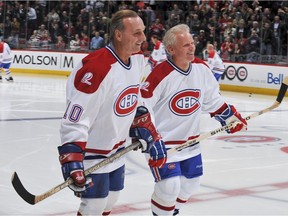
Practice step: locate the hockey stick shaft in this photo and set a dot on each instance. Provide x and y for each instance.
(280, 96)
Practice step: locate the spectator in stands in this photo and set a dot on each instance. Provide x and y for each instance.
(279, 33)
(241, 30)
(198, 47)
(12, 41)
(45, 40)
(172, 21)
(229, 30)
(7, 26)
(34, 40)
(69, 31)
(241, 45)
(254, 42)
(97, 41)
(32, 20)
(106, 39)
(75, 42)
(222, 23)
(84, 41)
(157, 28)
(195, 24)
(202, 38)
(42, 31)
(53, 16)
(15, 27)
(177, 11)
(55, 31)
(267, 37)
(227, 48)
(60, 43)
(255, 26)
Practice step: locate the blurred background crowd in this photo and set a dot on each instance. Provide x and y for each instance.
(241, 31)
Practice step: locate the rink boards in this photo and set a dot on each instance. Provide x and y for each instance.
(240, 77)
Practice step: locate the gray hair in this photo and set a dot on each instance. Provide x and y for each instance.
(116, 21)
(170, 36)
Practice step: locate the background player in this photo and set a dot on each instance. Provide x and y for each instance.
(5, 60)
(215, 62)
(102, 99)
(158, 53)
(178, 90)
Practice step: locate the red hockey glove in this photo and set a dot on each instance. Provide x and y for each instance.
(227, 114)
(71, 159)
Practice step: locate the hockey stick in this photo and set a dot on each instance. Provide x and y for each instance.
(280, 96)
(33, 199)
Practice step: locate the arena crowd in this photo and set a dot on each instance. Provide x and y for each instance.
(240, 30)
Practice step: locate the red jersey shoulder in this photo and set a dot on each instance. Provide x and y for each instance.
(211, 54)
(155, 77)
(1, 47)
(95, 67)
(157, 45)
(199, 61)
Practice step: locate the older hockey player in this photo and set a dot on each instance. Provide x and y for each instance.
(102, 111)
(215, 62)
(178, 90)
(5, 61)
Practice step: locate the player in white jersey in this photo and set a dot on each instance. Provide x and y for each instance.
(215, 62)
(102, 112)
(158, 53)
(178, 90)
(5, 61)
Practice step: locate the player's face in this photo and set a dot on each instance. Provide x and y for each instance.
(133, 36)
(184, 49)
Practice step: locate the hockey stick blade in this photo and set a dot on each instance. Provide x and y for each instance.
(282, 90)
(193, 142)
(22, 192)
(33, 199)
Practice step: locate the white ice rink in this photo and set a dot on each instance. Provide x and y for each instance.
(244, 174)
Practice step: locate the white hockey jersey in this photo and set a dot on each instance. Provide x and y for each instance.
(177, 99)
(102, 95)
(158, 54)
(5, 53)
(215, 63)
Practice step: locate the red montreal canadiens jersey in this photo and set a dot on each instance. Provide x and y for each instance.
(177, 99)
(102, 96)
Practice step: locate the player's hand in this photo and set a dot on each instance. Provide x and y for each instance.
(71, 158)
(230, 115)
(143, 129)
(158, 154)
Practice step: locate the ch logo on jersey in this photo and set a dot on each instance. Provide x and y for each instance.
(127, 100)
(86, 78)
(185, 102)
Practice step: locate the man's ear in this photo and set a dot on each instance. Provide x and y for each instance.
(118, 35)
(170, 49)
